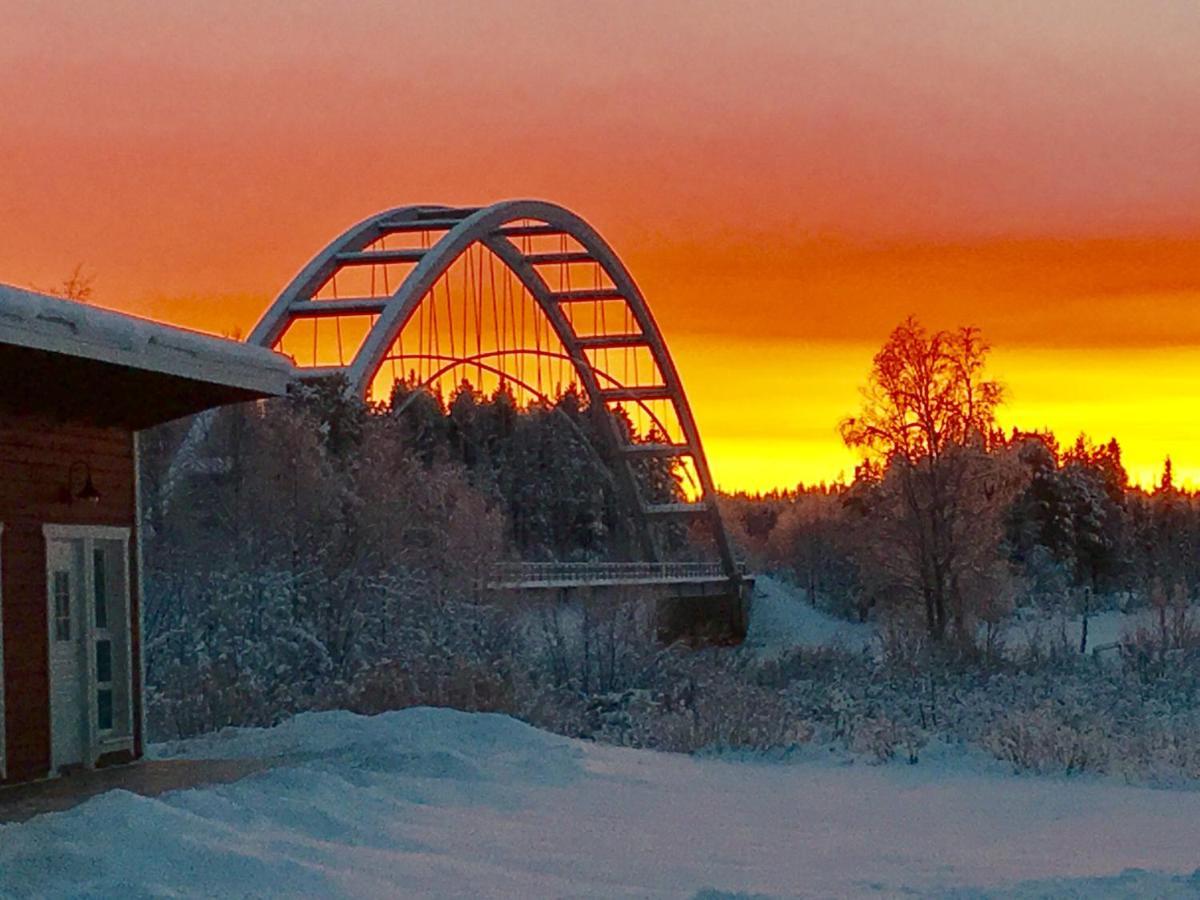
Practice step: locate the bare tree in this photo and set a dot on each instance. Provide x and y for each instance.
(926, 395)
(939, 481)
(76, 287)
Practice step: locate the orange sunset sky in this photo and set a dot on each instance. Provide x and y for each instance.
(786, 181)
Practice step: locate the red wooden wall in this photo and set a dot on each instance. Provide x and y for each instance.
(35, 455)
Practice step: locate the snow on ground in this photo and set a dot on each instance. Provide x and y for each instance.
(781, 618)
(438, 803)
(1104, 628)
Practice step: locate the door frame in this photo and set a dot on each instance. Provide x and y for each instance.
(3, 734)
(94, 746)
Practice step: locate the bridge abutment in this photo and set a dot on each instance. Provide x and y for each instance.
(702, 613)
(717, 615)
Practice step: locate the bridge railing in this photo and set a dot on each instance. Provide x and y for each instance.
(529, 574)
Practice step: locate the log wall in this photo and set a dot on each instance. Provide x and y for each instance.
(35, 455)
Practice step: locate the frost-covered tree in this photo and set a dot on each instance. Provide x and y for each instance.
(933, 517)
(314, 541)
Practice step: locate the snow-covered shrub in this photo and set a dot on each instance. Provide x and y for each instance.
(591, 645)
(229, 650)
(883, 739)
(716, 715)
(728, 715)
(459, 655)
(1050, 739)
(1165, 751)
(688, 701)
(1169, 634)
(331, 565)
(325, 549)
(905, 644)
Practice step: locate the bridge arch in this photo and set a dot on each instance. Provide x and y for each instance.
(505, 229)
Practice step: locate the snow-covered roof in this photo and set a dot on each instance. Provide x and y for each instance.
(36, 321)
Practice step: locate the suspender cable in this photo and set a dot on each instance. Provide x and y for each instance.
(505, 306)
(337, 322)
(466, 304)
(564, 282)
(421, 336)
(603, 323)
(495, 318)
(517, 342)
(476, 297)
(435, 344)
(637, 378)
(525, 245)
(397, 347)
(625, 352)
(387, 290)
(537, 343)
(450, 308)
(469, 307)
(479, 306)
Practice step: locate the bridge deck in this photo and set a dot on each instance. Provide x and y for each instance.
(547, 576)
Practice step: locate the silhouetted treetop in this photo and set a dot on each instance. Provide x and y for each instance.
(926, 391)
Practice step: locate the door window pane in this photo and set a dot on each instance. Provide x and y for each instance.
(100, 572)
(62, 605)
(104, 709)
(104, 662)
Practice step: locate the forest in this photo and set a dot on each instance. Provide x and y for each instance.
(317, 552)
(297, 547)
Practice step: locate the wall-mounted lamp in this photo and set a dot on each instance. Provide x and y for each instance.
(87, 490)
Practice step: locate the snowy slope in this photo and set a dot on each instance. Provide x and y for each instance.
(438, 803)
(781, 618)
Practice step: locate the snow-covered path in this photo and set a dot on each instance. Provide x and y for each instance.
(781, 619)
(438, 803)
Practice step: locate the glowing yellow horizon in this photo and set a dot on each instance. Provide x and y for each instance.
(768, 410)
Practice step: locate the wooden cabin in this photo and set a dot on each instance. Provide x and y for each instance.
(77, 384)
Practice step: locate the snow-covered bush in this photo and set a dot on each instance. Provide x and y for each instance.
(697, 701)
(591, 645)
(329, 564)
(1050, 739)
(229, 650)
(884, 739)
(1168, 635)
(460, 655)
(323, 549)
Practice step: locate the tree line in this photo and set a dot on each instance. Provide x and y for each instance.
(949, 523)
(296, 548)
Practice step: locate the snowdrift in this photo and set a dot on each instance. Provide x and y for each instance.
(429, 802)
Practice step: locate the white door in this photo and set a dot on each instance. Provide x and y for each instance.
(68, 654)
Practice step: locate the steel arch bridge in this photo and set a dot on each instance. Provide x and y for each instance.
(414, 291)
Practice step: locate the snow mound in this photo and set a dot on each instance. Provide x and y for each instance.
(345, 781)
(1128, 884)
(781, 619)
(421, 742)
(436, 803)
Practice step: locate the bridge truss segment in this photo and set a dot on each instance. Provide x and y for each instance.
(534, 241)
